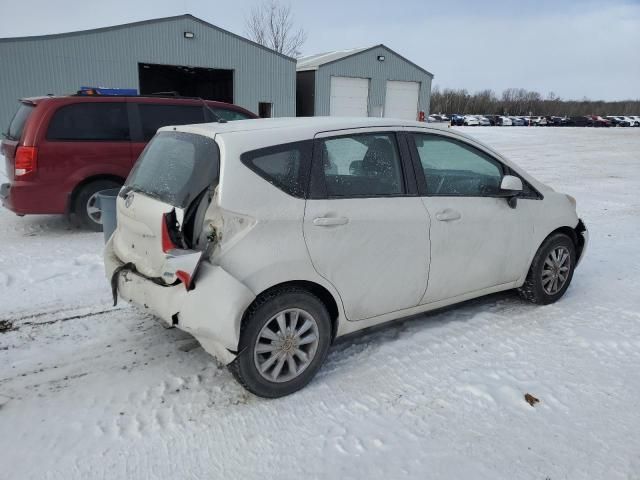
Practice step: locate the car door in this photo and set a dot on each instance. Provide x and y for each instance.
(366, 229)
(477, 240)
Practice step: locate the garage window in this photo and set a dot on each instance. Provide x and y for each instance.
(106, 121)
(155, 116)
(284, 166)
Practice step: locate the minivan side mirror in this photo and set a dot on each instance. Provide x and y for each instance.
(510, 186)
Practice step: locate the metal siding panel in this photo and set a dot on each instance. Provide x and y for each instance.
(366, 65)
(60, 65)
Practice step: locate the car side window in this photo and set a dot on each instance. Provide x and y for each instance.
(361, 165)
(284, 166)
(153, 116)
(453, 168)
(99, 121)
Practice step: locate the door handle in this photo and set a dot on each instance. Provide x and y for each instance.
(448, 215)
(330, 221)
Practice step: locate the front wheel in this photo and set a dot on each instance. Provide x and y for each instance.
(551, 270)
(284, 341)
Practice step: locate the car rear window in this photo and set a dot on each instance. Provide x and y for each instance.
(153, 116)
(229, 115)
(16, 127)
(175, 167)
(104, 121)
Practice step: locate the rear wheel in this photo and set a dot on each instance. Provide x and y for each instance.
(283, 343)
(551, 270)
(85, 208)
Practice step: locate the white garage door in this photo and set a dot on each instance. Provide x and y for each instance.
(401, 100)
(349, 97)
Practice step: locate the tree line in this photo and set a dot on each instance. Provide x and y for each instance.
(519, 101)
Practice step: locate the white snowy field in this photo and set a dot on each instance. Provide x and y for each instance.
(92, 391)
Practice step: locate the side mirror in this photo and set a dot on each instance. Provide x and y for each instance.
(510, 186)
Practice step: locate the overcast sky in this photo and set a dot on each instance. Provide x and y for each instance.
(574, 48)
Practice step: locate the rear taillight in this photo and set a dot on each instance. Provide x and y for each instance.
(25, 160)
(167, 242)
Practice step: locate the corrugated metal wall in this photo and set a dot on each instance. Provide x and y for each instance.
(60, 64)
(366, 65)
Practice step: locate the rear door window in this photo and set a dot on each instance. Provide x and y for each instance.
(175, 167)
(16, 127)
(362, 165)
(153, 116)
(105, 121)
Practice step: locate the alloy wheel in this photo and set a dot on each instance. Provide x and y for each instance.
(555, 270)
(286, 345)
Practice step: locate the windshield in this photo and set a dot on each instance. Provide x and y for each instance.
(19, 119)
(176, 167)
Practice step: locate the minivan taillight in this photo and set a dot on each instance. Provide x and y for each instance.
(25, 161)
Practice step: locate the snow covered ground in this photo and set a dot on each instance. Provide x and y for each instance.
(92, 391)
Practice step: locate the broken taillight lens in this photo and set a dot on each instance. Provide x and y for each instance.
(167, 242)
(25, 161)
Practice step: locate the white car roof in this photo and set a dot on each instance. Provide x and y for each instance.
(307, 126)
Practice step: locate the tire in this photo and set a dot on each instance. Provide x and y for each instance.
(81, 205)
(539, 286)
(258, 329)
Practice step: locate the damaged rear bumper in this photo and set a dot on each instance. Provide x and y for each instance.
(211, 312)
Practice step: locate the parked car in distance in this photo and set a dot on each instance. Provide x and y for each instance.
(60, 151)
(598, 121)
(457, 120)
(578, 122)
(483, 121)
(505, 122)
(470, 121)
(618, 121)
(267, 281)
(517, 121)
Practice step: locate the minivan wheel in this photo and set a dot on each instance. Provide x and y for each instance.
(85, 209)
(284, 341)
(551, 270)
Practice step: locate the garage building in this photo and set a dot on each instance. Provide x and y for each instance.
(180, 54)
(373, 81)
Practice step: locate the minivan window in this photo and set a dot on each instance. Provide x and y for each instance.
(175, 167)
(153, 116)
(106, 121)
(362, 165)
(229, 115)
(19, 119)
(284, 166)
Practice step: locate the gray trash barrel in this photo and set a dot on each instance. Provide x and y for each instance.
(106, 200)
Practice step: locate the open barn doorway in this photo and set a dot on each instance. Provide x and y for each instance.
(207, 83)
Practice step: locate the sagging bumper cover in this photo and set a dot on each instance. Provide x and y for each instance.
(582, 230)
(211, 312)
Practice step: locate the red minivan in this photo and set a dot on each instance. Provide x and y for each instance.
(61, 151)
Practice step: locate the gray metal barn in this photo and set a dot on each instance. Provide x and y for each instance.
(182, 53)
(373, 81)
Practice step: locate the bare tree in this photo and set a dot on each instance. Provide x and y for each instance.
(271, 24)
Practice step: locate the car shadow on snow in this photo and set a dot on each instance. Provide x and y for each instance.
(497, 304)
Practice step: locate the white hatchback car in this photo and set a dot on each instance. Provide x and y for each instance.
(267, 239)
